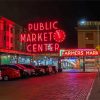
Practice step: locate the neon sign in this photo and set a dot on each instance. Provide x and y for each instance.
(36, 37)
(9, 35)
(43, 37)
(43, 26)
(8, 30)
(43, 47)
(79, 52)
(1, 33)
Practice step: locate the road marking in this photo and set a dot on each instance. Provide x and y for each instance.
(90, 90)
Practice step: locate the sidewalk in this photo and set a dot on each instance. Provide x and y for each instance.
(95, 93)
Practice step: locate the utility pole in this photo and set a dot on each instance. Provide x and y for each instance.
(83, 64)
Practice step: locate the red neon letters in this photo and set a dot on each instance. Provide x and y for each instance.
(79, 52)
(43, 26)
(43, 47)
(37, 37)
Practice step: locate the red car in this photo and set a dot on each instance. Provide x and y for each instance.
(7, 73)
(34, 70)
(52, 69)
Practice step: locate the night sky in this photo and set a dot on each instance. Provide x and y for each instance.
(68, 13)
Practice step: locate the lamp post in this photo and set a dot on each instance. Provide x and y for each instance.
(82, 22)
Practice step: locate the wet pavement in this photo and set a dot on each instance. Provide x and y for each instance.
(60, 86)
(95, 93)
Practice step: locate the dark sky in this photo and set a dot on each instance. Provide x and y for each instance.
(67, 12)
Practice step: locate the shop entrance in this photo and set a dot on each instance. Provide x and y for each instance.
(87, 64)
(70, 63)
(84, 60)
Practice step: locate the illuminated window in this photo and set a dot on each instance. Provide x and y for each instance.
(4, 37)
(7, 28)
(11, 40)
(4, 27)
(89, 46)
(89, 36)
(1, 25)
(7, 38)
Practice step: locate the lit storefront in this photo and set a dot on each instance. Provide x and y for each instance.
(79, 58)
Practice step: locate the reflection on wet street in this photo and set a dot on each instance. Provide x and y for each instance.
(60, 86)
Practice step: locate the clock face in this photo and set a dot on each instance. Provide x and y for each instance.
(59, 35)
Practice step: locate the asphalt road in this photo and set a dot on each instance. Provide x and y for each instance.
(60, 86)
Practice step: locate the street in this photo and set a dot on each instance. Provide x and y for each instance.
(60, 86)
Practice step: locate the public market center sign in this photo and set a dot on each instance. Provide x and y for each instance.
(43, 37)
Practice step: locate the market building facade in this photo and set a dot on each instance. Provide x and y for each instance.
(10, 47)
(39, 44)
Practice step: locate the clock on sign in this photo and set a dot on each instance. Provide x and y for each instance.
(59, 35)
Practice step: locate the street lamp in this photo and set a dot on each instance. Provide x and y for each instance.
(82, 22)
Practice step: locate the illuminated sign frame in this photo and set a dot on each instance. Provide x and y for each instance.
(78, 52)
(43, 37)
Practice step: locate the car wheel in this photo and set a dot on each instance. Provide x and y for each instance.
(5, 78)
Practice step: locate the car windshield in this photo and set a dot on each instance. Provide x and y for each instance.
(20, 66)
(11, 66)
(28, 66)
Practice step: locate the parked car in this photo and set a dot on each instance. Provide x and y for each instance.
(44, 69)
(38, 71)
(59, 69)
(52, 69)
(7, 73)
(27, 70)
(31, 68)
(23, 70)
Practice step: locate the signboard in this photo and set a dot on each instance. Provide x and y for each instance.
(78, 52)
(43, 37)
